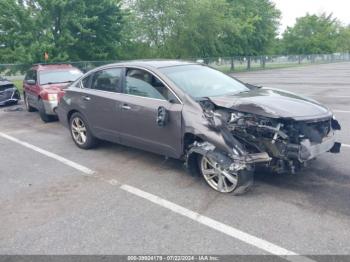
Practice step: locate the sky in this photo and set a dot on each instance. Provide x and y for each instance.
(291, 9)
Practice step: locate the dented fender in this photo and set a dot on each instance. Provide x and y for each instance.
(210, 130)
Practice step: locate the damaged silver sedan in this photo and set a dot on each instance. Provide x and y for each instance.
(222, 128)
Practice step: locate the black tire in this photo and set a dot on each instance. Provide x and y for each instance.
(245, 180)
(91, 141)
(45, 117)
(27, 105)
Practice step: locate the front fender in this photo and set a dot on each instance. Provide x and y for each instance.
(198, 125)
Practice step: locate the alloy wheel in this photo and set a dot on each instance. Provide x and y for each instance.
(217, 178)
(79, 131)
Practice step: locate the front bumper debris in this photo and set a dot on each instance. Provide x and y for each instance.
(308, 150)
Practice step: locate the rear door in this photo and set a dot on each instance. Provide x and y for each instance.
(143, 94)
(98, 101)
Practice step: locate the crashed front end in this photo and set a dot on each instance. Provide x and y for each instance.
(290, 143)
(280, 144)
(8, 94)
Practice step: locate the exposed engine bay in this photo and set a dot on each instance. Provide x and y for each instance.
(288, 143)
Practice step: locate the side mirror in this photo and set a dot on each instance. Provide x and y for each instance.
(162, 116)
(31, 82)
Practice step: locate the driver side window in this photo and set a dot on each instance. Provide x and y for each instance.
(31, 75)
(142, 83)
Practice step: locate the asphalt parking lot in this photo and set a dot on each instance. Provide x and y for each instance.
(134, 202)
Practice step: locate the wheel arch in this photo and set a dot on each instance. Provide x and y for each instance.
(70, 113)
(73, 111)
(189, 139)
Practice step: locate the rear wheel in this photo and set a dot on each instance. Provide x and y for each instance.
(81, 133)
(224, 181)
(27, 105)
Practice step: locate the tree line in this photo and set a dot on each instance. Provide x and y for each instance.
(73, 30)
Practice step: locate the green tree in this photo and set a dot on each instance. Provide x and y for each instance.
(200, 31)
(312, 34)
(203, 28)
(66, 29)
(343, 41)
(258, 22)
(16, 31)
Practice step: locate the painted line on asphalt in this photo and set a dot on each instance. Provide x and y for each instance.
(218, 226)
(61, 159)
(341, 111)
(345, 145)
(204, 220)
(329, 96)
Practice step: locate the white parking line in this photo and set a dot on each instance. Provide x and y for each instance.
(329, 96)
(61, 159)
(218, 226)
(211, 223)
(345, 145)
(341, 111)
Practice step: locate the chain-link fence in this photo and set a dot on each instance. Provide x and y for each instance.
(15, 72)
(247, 63)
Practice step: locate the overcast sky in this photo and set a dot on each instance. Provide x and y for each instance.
(291, 9)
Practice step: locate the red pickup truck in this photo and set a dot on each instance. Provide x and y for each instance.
(43, 87)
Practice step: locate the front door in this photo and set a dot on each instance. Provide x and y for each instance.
(143, 95)
(32, 90)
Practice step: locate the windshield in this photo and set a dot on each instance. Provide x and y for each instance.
(59, 76)
(202, 81)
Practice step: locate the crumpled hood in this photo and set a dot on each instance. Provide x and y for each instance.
(275, 103)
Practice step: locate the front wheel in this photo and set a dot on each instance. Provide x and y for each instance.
(81, 133)
(225, 181)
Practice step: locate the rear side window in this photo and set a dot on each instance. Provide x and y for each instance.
(104, 80)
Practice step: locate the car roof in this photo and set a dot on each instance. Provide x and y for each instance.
(154, 63)
(49, 67)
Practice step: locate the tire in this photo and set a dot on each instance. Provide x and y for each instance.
(81, 133)
(238, 184)
(45, 117)
(27, 105)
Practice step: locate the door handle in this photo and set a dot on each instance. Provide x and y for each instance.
(125, 107)
(86, 98)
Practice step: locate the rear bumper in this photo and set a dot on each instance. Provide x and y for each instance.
(62, 116)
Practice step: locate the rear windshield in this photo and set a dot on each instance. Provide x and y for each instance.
(59, 76)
